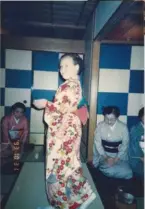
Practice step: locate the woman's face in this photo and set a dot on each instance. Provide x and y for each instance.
(110, 119)
(68, 69)
(18, 113)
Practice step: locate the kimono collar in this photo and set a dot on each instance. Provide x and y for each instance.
(112, 127)
(16, 120)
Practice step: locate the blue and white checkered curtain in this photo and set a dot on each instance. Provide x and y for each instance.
(121, 80)
(27, 75)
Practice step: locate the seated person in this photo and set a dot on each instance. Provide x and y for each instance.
(136, 154)
(15, 126)
(111, 145)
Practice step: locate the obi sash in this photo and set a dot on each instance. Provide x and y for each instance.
(83, 114)
(111, 147)
(15, 134)
(82, 111)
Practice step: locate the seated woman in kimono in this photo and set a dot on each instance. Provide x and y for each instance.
(111, 145)
(136, 154)
(15, 126)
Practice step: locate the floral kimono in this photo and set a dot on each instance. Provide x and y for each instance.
(63, 163)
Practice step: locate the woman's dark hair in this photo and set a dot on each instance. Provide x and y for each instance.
(76, 59)
(18, 105)
(141, 113)
(111, 110)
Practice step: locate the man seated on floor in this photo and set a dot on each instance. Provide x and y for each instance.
(110, 150)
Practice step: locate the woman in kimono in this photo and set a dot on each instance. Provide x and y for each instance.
(15, 125)
(136, 154)
(15, 130)
(111, 145)
(67, 188)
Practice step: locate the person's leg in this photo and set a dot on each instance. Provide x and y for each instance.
(120, 170)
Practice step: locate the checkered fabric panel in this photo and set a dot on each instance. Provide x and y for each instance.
(27, 75)
(121, 80)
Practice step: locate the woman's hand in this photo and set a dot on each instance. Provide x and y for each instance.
(110, 161)
(40, 103)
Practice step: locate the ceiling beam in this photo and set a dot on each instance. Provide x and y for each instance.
(132, 42)
(42, 24)
(81, 13)
(79, 18)
(138, 12)
(43, 44)
(51, 16)
(93, 10)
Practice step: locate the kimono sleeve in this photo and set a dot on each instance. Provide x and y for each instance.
(5, 129)
(98, 141)
(26, 131)
(66, 100)
(123, 149)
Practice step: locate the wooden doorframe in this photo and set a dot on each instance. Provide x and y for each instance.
(42, 44)
(94, 83)
(93, 96)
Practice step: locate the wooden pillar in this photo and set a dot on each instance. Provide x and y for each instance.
(93, 96)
